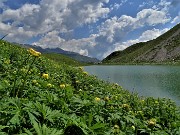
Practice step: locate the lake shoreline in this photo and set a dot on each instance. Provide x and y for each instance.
(156, 81)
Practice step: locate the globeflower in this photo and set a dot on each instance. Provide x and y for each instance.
(97, 99)
(133, 127)
(7, 61)
(116, 129)
(106, 98)
(62, 86)
(81, 68)
(152, 122)
(126, 107)
(49, 85)
(45, 76)
(86, 73)
(116, 126)
(34, 53)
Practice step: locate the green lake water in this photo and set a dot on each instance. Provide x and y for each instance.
(155, 81)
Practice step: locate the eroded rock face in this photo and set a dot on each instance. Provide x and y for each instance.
(168, 49)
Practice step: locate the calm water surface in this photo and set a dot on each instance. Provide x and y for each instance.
(155, 81)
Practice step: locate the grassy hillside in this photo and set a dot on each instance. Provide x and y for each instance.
(39, 96)
(62, 59)
(165, 48)
(73, 55)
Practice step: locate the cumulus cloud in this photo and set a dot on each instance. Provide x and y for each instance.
(111, 34)
(176, 19)
(59, 15)
(51, 19)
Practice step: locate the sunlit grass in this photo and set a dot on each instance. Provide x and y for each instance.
(43, 97)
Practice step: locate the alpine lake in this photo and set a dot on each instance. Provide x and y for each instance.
(148, 81)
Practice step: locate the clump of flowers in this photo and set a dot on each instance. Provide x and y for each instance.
(45, 76)
(34, 53)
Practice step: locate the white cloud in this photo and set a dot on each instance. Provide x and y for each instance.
(176, 19)
(111, 34)
(52, 18)
(59, 15)
(152, 17)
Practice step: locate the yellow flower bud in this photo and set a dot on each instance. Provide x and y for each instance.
(45, 76)
(49, 85)
(116, 127)
(152, 122)
(97, 99)
(85, 73)
(106, 98)
(62, 86)
(133, 127)
(34, 81)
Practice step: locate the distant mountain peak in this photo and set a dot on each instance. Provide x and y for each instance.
(74, 55)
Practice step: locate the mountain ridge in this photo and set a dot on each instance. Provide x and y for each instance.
(74, 55)
(165, 48)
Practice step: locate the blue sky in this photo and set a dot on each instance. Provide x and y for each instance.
(93, 28)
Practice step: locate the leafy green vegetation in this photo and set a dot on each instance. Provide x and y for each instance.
(63, 59)
(39, 96)
(151, 51)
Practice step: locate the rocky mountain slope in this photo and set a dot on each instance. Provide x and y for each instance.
(165, 48)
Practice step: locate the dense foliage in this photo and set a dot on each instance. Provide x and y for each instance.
(40, 97)
(59, 58)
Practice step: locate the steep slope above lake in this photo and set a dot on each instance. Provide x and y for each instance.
(165, 48)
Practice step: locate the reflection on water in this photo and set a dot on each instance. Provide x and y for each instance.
(155, 81)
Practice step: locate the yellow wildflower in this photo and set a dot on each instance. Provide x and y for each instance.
(77, 81)
(81, 68)
(156, 102)
(97, 99)
(45, 76)
(152, 122)
(116, 126)
(106, 98)
(34, 53)
(34, 81)
(7, 61)
(133, 127)
(62, 86)
(86, 73)
(126, 107)
(80, 90)
(116, 129)
(49, 85)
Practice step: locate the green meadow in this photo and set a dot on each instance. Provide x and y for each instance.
(40, 96)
